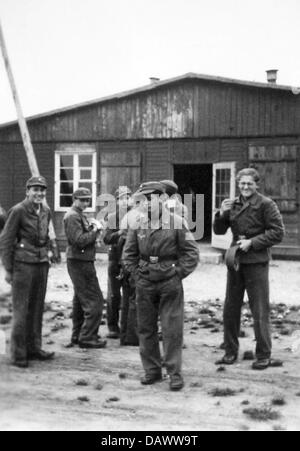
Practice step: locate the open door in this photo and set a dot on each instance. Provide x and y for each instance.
(223, 188)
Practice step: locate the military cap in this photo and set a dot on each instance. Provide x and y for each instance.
(150, 188)
(82, 193)
(122, 191)
(170, 187)
(36, 181)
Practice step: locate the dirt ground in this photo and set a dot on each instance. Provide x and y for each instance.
(100, 390)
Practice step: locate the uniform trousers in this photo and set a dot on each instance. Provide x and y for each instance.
(28, 296)
(162, 299)
(254, 279)
(87, 302)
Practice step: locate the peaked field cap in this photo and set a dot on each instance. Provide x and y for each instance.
(82, 193)
(150, 188)
(170, 186)
(36, 181)
(122, 191)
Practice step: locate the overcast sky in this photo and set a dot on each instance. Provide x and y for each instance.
(65, 52)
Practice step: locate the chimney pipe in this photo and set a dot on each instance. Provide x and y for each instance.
(154, 80)
(272, 75)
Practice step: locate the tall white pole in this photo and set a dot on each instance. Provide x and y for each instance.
(22, 123)
(32, 162)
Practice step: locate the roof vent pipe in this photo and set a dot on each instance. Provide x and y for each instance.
(154, 80)
(272, 75)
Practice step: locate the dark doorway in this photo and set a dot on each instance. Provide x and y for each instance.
(197, 179)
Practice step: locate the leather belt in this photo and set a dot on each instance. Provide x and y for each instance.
(28, 243)
(232, 258)
(156, 259)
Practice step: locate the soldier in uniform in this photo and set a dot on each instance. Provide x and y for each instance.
(24, 246)
(116, 281)
(88, 300)
(173, 203)
(129, 329)
(159, 253)
(256, 225)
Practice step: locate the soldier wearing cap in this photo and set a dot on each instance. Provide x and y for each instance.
(160, 252)
(173, 202)
(24, 248)
(118, 281)
(88, 300)
(256, 224)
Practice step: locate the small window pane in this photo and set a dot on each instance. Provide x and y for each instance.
(66, 174)
(66, 161)
(86, 161)
(85, 174)
(66, 201)
(86, 185)
(219, 175)
(66, 188)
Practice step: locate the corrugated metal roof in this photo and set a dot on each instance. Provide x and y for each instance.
(158, 84)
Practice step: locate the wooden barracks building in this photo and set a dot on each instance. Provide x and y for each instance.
(198, 129)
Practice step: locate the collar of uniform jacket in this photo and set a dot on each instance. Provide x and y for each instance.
(78, 210)
(30, 207)
(241, 205)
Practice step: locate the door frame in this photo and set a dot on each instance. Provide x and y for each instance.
(222, 241)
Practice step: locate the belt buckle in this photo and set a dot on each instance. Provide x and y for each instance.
(153, 259)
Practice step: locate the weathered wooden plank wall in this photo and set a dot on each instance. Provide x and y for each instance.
(6, 176)
(279, 167)
(15, 171)
(190, 109)
(157, 163)
(120, 164)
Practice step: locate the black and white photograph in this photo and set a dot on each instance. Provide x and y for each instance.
(149, 218)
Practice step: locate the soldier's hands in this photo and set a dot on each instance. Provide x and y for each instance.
(54, 253)
(96, 224)
(8, 278)
(227, 205)
(245, 245)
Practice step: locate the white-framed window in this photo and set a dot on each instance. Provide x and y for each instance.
(224, 186)
(75, 167)
(223, 183)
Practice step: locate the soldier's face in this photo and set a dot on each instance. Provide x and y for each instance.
(247, 186)
(36, 194)
(152, 204)
(124, 201)
(82, 204)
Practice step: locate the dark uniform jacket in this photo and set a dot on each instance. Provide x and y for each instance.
(81, 239)
(161, 253)
(257, 219)
(25, 237)
(111, 235)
